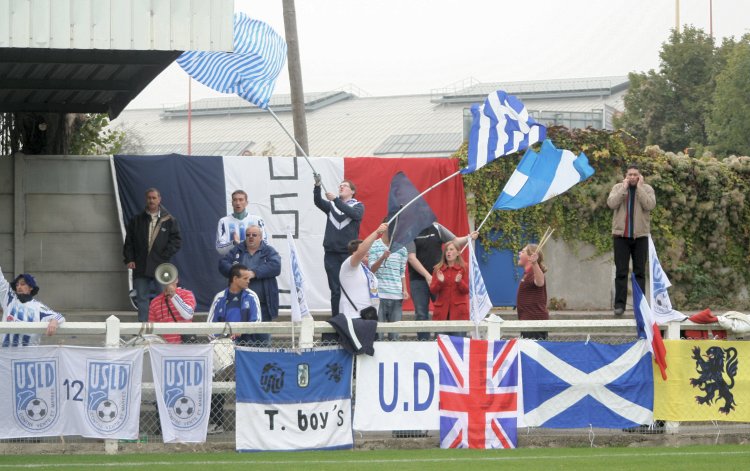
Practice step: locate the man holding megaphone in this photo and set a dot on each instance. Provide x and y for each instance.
(174, 304)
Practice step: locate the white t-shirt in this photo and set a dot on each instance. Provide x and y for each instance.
(355, 281)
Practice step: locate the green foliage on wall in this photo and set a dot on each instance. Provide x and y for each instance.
(700, 226)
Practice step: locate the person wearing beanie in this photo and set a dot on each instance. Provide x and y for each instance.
(18, 304)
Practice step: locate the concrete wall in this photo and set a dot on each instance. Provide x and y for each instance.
(70, 233)
(70, 239)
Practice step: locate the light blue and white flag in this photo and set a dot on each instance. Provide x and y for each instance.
(661, 305)
(500, 127)
(293, 400)
(182, 383)
(542, 176)
(585, 384)
(479, 300)
(250, 71)
(296, 282)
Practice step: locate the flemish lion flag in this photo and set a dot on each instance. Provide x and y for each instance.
(708, 380)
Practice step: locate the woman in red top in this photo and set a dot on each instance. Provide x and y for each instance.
(531, 300)
(450, 285)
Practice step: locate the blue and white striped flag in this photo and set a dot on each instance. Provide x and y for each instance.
(542, 176)
(500, 127)
(297, 282)
(250, 71)
(479, 300)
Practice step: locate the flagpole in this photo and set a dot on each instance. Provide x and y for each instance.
(485, 219)
(422, 194)
(296, 144)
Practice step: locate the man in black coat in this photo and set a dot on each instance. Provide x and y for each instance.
(152, 238)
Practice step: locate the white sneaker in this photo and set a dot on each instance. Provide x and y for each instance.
(214, 429)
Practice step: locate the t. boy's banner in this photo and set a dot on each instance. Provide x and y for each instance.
(397, 387)
(182, 381)
(293, 401)
(52, 391)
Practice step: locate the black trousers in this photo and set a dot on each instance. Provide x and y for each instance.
(627, 249)
(332, 262)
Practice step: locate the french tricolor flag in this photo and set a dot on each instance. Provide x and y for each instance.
(648, 328)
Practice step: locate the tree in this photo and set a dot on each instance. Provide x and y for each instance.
(729, 124)
(90, 136)
(669, 107)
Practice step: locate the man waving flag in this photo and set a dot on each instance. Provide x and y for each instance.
(500, 127)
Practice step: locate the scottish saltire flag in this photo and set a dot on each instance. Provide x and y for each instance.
(297, 282)
(661, 305)
(500, 127)
(250, 71)
(293, 400)
(585, 384)
(182, 383)
(709, 380)
(544, 175)
(479, 300)
(648, 328)
(478, 392)
(413, 219)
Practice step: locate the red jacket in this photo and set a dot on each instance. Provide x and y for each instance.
(452, 297)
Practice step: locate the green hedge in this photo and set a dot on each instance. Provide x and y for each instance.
(701, 223)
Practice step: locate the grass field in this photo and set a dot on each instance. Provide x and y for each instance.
(720, 457)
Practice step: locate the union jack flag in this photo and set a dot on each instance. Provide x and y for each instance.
(478, 393)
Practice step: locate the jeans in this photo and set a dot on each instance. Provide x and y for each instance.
(145, 289)
(262, 340)
(420, 295)
(332, 262)
(625, 249)
(390, 310)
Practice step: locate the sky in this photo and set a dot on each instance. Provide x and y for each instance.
(396, 47)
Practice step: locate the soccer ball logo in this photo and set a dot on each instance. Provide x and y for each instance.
(36, 409)
(184, 407)
(106, 411)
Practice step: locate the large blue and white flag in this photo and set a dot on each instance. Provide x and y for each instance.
(479, 300)
(661, 305)
(541, 176)
(54, 391)
(500, 127)
(648, 328)
(182, 382)
(293, 401)
(297, 282)
(585, 384)
(250, 71)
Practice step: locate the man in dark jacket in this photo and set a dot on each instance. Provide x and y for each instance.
(264, 264)
(151, 238)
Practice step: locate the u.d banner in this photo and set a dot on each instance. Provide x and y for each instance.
(707, 380)
(397, 387)
(293, 401)
(52, 391)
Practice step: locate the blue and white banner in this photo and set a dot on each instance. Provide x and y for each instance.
(53, 391)
(541, 176)
(479, 300)
(583, 384)
(661, 305)
(397, 387)
(297, 282)
(182, 382)
(293, 401)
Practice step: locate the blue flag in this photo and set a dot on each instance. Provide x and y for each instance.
(412, 220)
(250, 71)
(541, 176)
(500, 127)
(583, 384)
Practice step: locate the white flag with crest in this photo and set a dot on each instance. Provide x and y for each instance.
(661, 305)
(296, 282)
(479, 300)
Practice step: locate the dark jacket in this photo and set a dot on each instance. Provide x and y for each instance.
(355, 335)
(266, 264)
(166, 244)
(342, 226)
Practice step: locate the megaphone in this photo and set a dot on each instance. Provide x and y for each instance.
(165, 274)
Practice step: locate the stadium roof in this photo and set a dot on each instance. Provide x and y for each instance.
(343, 124)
